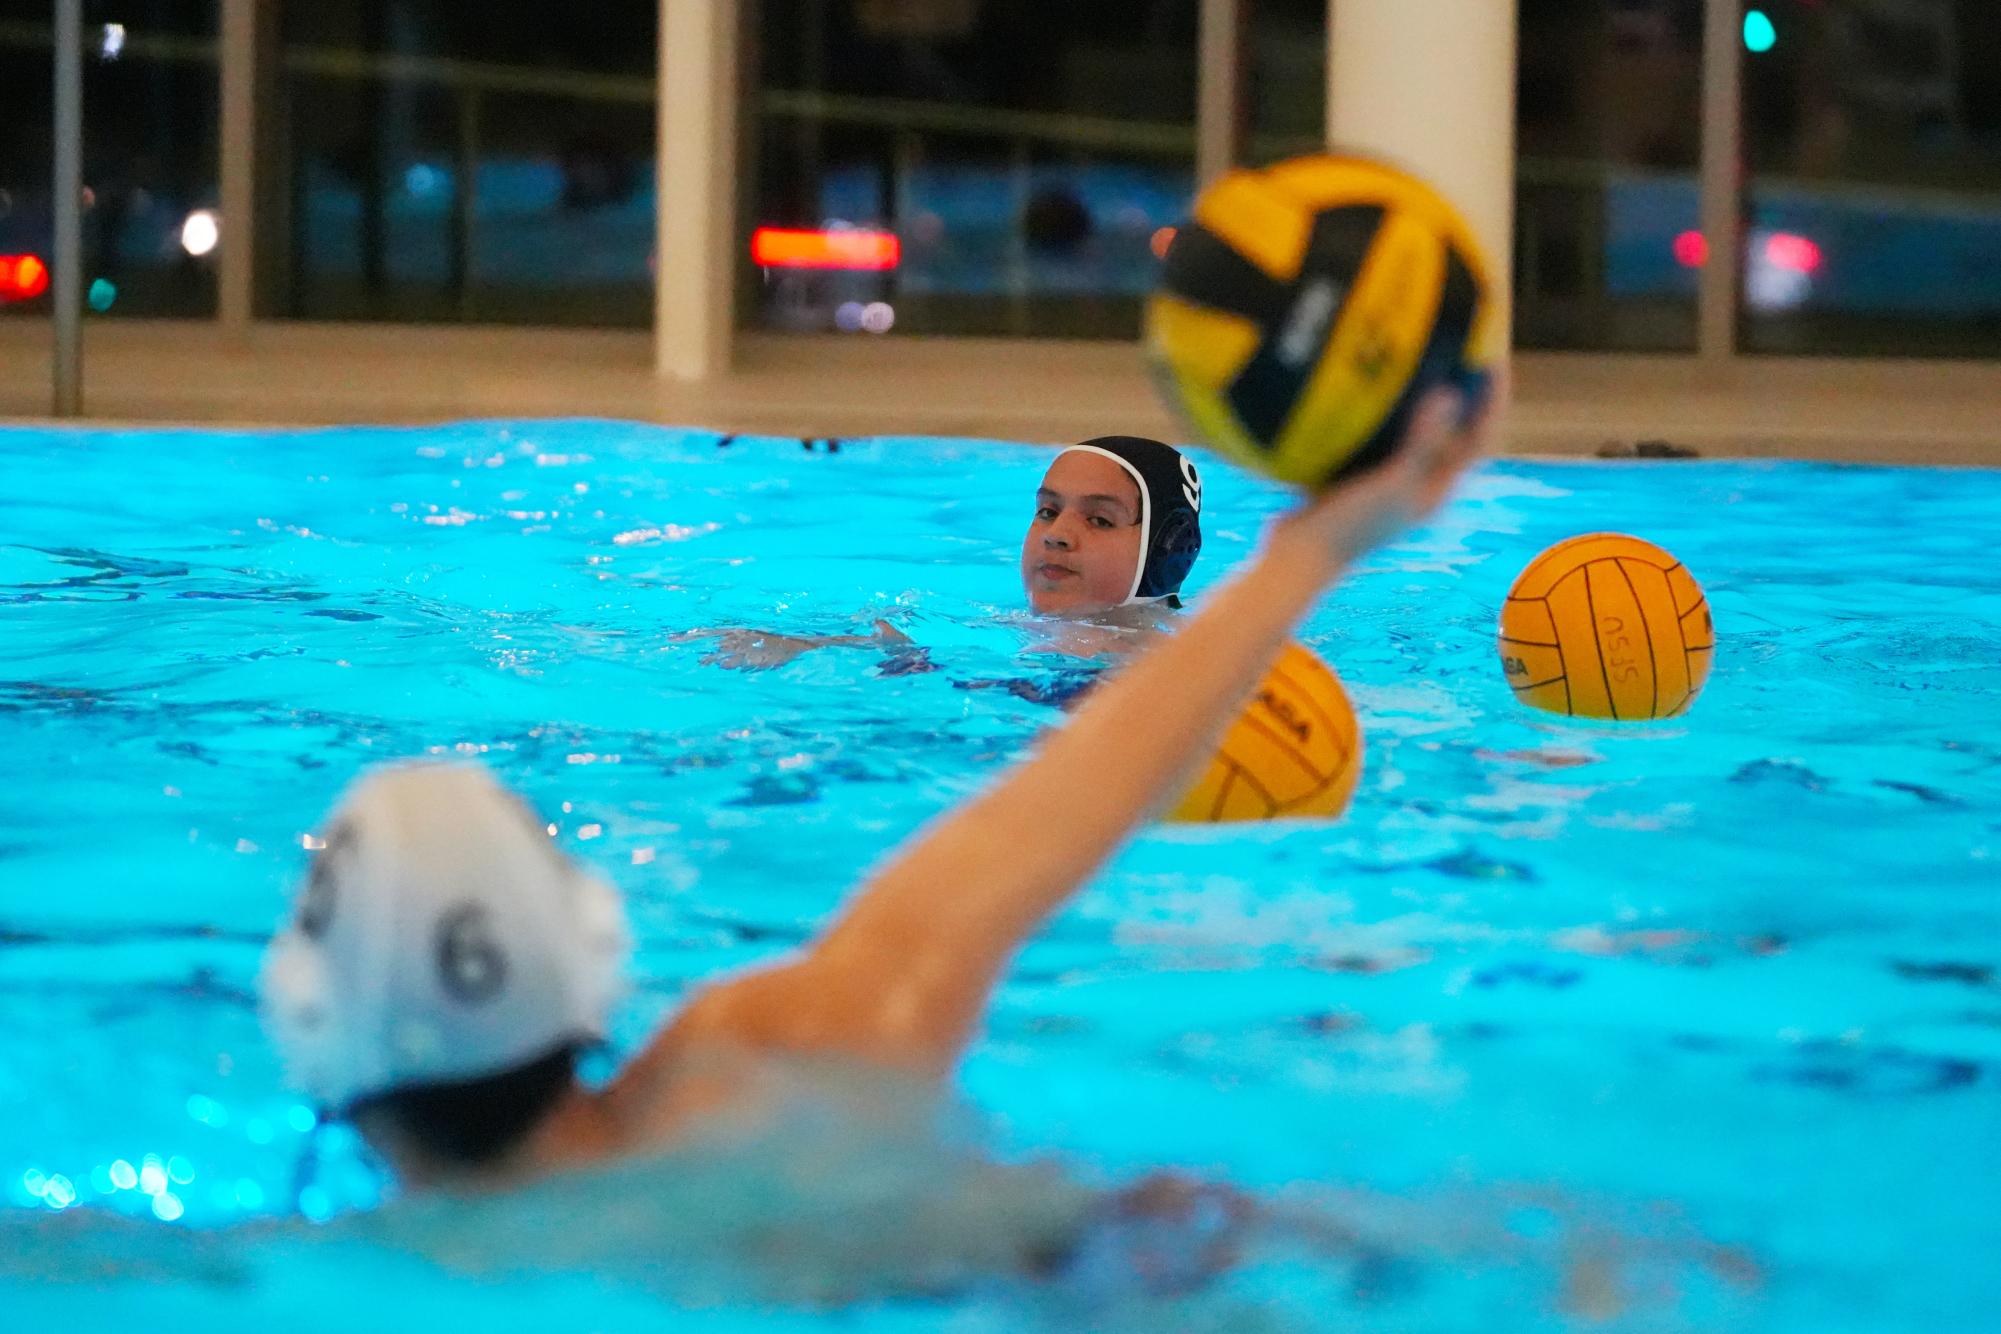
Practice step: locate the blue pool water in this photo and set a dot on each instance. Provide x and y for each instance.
(1693, 1025)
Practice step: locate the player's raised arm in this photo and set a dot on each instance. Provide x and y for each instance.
(903, 975)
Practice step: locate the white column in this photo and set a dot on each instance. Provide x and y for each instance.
(1722, 131)
(1219, 85)
(1430, 85)
(237, 253)
(694, 289)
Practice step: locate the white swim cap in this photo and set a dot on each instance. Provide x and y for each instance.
(440, 936)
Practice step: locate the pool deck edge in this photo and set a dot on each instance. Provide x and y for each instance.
(284, 375)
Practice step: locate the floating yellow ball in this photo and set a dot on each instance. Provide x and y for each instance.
(1308, 306)
(1295, 750)
(1606, 626)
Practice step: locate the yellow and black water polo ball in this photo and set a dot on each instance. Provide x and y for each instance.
(1306, 308)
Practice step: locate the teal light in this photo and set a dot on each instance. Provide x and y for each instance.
(102, 293)
(1760, 35)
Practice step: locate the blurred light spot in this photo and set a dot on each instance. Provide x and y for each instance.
(848, 316)
(201, 233)
(111, 44)
(552, 831)
(311, 844)
(103, 295)
(249, 1194)
(245, 845)
(315, 1204)
(167, 1208)
(170, 791)
(423, 179)
(123, 1175)
(34, 1181)
(641, 856)
(878, 317)
(1691, 250)
(1789, 251)
(1760, 33)
(302, 1118)
(60, 1193)
(180, 1171)
(100, 1180)
(1162, 239)
(590, 831)
(22, 277)
(834, 248)
(206, 1110)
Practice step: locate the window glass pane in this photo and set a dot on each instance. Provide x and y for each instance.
(1608, 125)
(1873, 136)
(149, 160)
(1023, 155)
(1285, 78)
(453, 161)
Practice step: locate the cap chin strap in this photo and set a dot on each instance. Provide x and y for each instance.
(1132, 597)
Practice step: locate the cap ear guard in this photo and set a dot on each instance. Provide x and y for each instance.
(1177, 541)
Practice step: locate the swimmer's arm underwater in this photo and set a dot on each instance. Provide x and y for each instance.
(756, 650)
(902, 977)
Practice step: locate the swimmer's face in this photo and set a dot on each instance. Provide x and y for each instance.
(1084, 542)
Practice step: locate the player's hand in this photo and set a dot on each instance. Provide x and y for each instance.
(1440, 442)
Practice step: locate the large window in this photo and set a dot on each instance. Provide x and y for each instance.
(1608, 129)
(1025, 156)
(454, 161)
(1873, 209)
(149, 157)
(1608, 145)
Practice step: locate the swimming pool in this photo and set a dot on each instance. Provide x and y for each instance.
(1556, 1001)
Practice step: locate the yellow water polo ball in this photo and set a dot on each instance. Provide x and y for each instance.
(1294, 752)
(1306, 308)
(1606, 626)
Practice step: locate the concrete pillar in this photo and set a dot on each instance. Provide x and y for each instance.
(1722, 180)
(1219, 90)
(236, 255)
(694, 288)
(1430, 85)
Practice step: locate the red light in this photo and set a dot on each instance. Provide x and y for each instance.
(779, 248)
(1162, 240)
(1691, 250)
(1787, 251)
(22, 277)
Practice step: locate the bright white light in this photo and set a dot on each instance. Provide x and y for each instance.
(201, 233)
(1770, 287)
(167, 1208)
(878, 317)
(113, 44)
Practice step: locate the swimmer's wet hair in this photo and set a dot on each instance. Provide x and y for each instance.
(475, 1122)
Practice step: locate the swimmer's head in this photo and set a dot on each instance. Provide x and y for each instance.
(1117, 521)
(444, 965)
